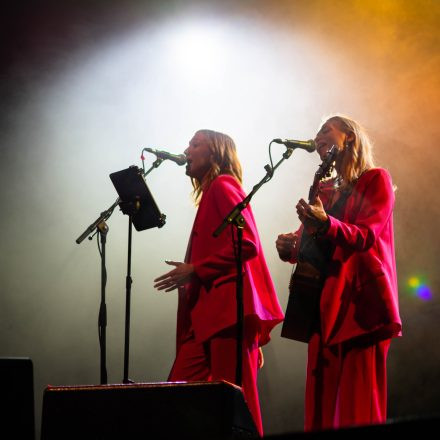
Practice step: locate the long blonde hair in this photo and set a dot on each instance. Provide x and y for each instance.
(357, 154)
(224, 160)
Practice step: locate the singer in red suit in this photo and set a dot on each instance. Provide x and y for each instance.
(344, 251)
(206, 281)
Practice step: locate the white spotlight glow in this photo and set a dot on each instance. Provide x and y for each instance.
(200, 51)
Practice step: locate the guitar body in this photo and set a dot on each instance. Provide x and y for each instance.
(302, 312)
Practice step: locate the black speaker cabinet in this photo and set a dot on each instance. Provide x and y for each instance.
(17, 397)
(169, 410)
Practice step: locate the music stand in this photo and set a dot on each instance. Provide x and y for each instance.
(137, 202)
(132, 188)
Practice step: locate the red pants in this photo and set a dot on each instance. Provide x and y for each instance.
(215, 360)
(346, 384)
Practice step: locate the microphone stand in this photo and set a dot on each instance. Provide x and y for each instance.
(130, 209)
(154, 165)
(99, 226)
(236, 218)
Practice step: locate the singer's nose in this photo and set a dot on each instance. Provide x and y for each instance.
(316, 139)
(318, 142)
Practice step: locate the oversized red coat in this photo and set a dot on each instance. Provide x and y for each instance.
(208, 303)
(360, 295)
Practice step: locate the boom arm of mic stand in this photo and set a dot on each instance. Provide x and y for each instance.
(235, 215)
(102, 218)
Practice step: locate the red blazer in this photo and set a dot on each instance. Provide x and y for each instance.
(208, 303)
(360, 295)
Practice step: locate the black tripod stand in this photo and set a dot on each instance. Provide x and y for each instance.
(99, 226)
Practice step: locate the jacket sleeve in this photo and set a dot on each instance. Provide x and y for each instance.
(225, 194)
(375, 207)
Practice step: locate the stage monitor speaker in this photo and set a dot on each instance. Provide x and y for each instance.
(169, 410)
(17, 395)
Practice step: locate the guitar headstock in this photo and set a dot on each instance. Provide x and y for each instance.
(327, 164)
(324, 170)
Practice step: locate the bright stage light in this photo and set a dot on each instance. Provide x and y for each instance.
(199, 50)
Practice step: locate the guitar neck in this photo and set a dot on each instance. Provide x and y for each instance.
(323, 170)
(313, 192)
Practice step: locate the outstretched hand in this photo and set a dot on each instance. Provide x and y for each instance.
(175, 278)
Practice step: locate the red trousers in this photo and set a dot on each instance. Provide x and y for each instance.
(215, 360)
(346, 384)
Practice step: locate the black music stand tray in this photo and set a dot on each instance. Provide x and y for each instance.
(136, 199)
(137, 202)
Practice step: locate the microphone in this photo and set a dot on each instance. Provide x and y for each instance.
(180, 159)
(304, 145)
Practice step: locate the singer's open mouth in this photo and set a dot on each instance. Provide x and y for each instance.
(322, 148)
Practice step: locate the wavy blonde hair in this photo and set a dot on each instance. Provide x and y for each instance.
(224, 160)
(357, 154)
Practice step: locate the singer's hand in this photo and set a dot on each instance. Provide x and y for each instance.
(313, 217)
(260, 361)
(285, 245)
(175, 278)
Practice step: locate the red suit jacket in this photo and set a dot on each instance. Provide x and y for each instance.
(208, 303)
(359, 296)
